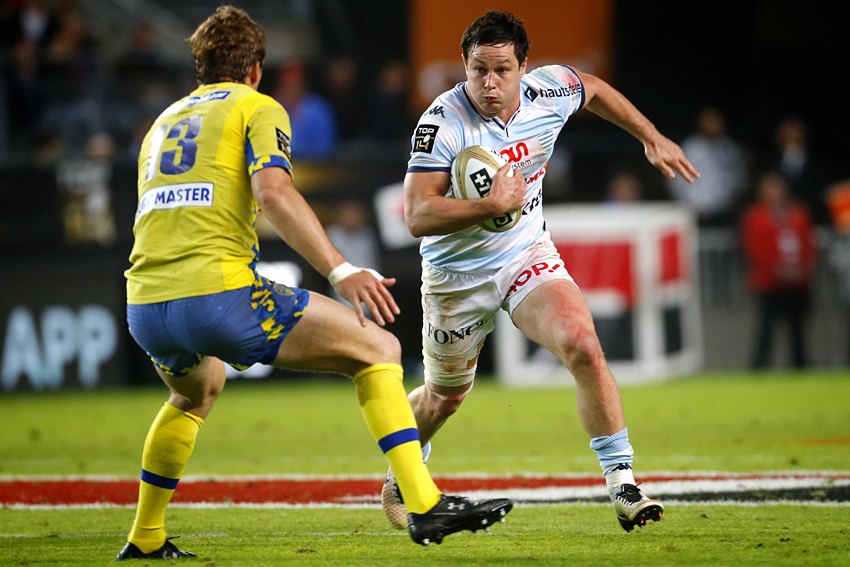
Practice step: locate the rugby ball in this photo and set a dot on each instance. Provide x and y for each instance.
(472, 176)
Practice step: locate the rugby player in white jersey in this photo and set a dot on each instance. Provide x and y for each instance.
(468, 274)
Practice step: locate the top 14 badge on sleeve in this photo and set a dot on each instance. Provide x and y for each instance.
(424, 139)
(283, 143)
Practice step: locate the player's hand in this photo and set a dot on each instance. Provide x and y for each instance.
(364, 287)
(507, 193)
(668, 157)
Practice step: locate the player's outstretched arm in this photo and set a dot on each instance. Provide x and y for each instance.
(296, 223)
(607, 102)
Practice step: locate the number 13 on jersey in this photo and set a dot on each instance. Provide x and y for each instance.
(181, 158)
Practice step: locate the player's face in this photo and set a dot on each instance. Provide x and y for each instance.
(493, 74)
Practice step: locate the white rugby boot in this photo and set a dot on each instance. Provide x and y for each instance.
(634, 508)
(393, 503)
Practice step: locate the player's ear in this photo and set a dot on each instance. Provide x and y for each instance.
(255, 73)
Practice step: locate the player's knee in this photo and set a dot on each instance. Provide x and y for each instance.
(445, 408)
(214, 388)
(198, 398)
(385, 349)
(199, 389)
(581, 349)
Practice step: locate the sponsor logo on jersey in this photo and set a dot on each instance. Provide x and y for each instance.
(535, 201)
(196, 100)
(535, 271)
(569, 90)
(514, 154)
(435, 111)
(284, 144)
(426, 134)
(521, 155)
(451, 336)
(192, 101)
(537, 175)
(175, 196)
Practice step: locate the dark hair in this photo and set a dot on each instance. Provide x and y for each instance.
(226, 45)
(496, 28)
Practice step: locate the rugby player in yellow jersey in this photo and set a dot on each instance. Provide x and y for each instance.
(196, 302)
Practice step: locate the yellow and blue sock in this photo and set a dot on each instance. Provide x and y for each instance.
(389, 417)
(168, 447)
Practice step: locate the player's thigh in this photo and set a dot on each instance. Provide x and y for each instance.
(330, 338)
(556, 315)
(458, 311)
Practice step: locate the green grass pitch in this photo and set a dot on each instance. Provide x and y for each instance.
(720, 422)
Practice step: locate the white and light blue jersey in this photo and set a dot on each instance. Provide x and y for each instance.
(548, 97)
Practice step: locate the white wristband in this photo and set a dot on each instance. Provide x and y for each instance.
(341, 272)
(375, 273)
(346, 269)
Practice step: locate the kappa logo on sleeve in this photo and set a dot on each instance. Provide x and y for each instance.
(435, 111)
(284, 144)
(425, 136)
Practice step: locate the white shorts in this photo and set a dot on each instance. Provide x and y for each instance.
(459, 309)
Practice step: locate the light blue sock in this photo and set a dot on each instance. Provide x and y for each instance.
(615, 457)
(426, 452)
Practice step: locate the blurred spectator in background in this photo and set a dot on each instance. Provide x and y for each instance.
(390, 119)
(75, 83)
(838, 200)
(143, 83)
(345, 94)
(624, 187)
(354, 237)
(779, 242)
(85, 185)
(142, 52)
(314, 133)
(25, 95)
(800, 167)
(721, 164)
(138, 65)
(48, 149)
(26, 28)
(140, 129)
(27, 19)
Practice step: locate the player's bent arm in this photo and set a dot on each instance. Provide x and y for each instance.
(607, 102)
(293, 219)
(297, 224)
(428, 212)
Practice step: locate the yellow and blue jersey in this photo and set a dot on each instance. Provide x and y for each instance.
(194, 229)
